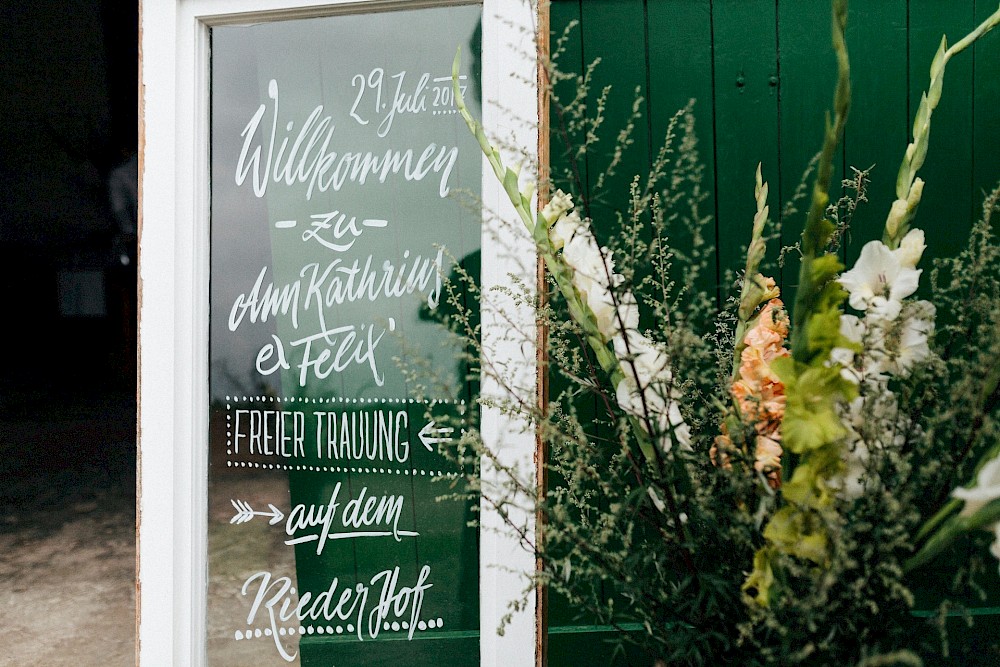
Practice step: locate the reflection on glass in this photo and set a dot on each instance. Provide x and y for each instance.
(339, 168)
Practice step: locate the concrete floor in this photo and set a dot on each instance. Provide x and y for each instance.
(67, 537)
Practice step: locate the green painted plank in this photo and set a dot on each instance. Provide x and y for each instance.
(746, 118)
(947, 199)
(604, 25)
(451, 649)
(878, 127)
(567, 172)
(592, 647)
(807, 76)
(680, 69)
(986, 111)
(570, 173)
(607, 25)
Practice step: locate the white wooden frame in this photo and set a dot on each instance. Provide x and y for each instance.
(173, 328)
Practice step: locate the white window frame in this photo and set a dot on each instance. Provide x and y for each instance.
(173, 316)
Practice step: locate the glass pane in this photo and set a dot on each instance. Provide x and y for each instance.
(341, 177)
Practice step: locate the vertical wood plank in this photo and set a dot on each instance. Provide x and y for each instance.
(607, 25)
(746, 118)
(680, 69)
(568, 58)
(986, 111)
(944, 213)
(878, 128)
(807, 77)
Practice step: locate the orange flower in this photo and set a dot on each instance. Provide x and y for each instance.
(768, 460)
(759, 392)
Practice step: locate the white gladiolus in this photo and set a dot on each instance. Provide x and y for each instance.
(879, 281)
(987, 488)
(558, 204)
(565, 228)
(664, 415)
(644, 392)
(915, 331)
(648, 359)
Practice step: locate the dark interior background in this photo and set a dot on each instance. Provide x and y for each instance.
(67, 256)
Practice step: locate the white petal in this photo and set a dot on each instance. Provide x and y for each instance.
(564, 229)
(906, 282)
(987, 488)
(559, 204)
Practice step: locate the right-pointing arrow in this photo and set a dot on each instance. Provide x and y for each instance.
(244, 513)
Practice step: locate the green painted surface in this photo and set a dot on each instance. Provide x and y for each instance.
(879, 124)
(746, 118)
(985, 112)
(947, 203)
(680, 66)
(606, 25)
(807, 75)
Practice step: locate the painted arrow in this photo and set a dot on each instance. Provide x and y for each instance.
(429, 435)
(245, 513)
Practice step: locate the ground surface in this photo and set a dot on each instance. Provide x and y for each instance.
(67, 537)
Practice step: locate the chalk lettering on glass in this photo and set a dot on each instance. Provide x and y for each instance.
(274, 602)
(360, 512)
(339, 282)
(311, 161)
(339, 226)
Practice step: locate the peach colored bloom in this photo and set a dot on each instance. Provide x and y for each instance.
(768, 460)
(719, 452)
(759, 392)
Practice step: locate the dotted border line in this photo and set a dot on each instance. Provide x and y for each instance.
(344, 469)
(340, 469)
(395, 626)
(341, 399)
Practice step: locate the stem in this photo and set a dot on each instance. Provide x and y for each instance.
(950, 508)
(817, 229)
(909, 188)
(988, 515)
(991, 22)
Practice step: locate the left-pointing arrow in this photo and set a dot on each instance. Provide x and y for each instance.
(430, 435)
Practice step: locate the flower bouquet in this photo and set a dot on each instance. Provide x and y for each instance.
(765, 478)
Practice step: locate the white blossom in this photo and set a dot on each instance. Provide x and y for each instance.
(564, 229)
(987, 488)
(558, 204)
(879, 281)
(663, 414)
(643, 360)
(913, 335)
(646, 391)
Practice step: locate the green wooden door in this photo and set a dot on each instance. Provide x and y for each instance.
(761, 73)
